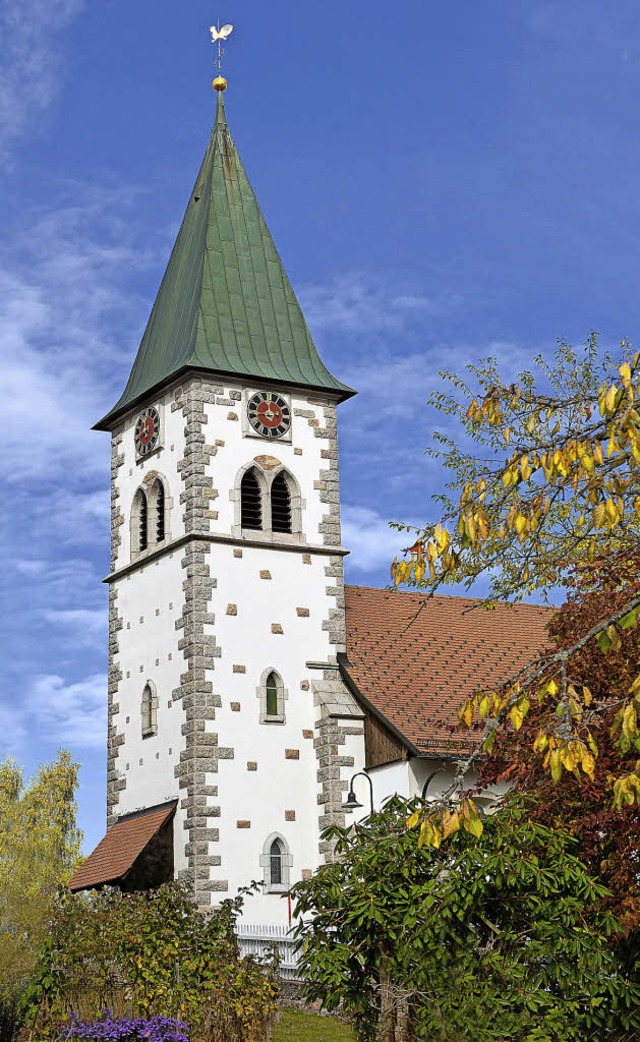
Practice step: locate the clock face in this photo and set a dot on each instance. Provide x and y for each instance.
(147, 431)
(269, 414)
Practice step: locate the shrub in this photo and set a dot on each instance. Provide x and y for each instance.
(150, 955)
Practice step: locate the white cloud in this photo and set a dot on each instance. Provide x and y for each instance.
(72, 714)
(32, 62)
(354, 304)
(373, 544)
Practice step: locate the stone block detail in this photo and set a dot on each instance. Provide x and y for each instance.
(304, 685)
(306, 558)
(116, 782)
(235, 707)
(276, 627)
(265, 573)
(243, 824)
(302, 613)
(297, 452)
(307, 734)
(292, 754)
(237, 552)
(232, 609)
(252, 765)
(289, 815)
(239, 669)
(307, 873)
(232, 416)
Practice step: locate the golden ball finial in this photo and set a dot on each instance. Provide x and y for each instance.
(219, 83)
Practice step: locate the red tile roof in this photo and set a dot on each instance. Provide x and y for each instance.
(124, 842)
(418, 658)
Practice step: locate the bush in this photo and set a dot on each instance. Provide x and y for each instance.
(150, 955)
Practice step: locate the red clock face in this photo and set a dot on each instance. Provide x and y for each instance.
(147, 431)
(269, 414)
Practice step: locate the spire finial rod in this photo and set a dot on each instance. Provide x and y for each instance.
(219, 35)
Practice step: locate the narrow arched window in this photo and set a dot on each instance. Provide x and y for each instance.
(160, 512)
(140, 522)
(275, 863)
(280, 505)
(250, 502)
(148, 712)
(272, 695)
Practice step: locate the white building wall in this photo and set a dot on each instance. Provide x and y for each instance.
(276, 605)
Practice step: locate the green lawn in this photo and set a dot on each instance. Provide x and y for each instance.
(309, 1027)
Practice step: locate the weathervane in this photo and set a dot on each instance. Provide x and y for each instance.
(219, 35)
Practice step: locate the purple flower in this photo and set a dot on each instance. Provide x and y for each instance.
(124, 1029)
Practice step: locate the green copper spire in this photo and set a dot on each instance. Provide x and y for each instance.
(225, 304)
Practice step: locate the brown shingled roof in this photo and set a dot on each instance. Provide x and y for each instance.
(115, 855)
(416, 659)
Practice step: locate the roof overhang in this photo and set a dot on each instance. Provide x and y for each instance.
(114, 857)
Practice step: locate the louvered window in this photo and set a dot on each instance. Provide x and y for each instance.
(275, 862)
(143, 522)
(160, 522)
(280, 505)
(250, 502)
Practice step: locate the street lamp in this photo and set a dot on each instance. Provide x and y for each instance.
(352, 803)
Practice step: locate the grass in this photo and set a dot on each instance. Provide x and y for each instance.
(309, 1027)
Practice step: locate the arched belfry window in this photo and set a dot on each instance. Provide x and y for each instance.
(149, 711)
(250, 501)
(140, 522)
(280, 504)
(276, 861)
(272, 695)
(160, 511)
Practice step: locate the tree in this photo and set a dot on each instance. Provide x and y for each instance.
(608, 836)
(39, 851)
(557, 484)
(505, 936)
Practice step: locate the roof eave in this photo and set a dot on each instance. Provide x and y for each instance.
(110, 419)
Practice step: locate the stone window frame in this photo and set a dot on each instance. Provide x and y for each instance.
(265, 864)
(149, 489)
(152, 728)
(265, 477)
(283, 695)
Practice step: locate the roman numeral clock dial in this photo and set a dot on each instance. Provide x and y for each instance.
(147, 431)
(269, 414)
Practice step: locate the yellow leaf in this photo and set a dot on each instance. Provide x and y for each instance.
(552, 688)
(591, 742)
(413, 820)
(484, 707)
(450, 823)
(556, 765)
(588, 764)
(587, 697)
(517, 717)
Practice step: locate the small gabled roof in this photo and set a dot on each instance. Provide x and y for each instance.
(115, 855)
(225, 304)
(417, 659)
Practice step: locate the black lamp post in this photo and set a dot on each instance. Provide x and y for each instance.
(352, 803)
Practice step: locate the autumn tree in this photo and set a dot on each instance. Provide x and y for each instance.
(608, 836)
(544, 476)
(39, 850)
(501, 937)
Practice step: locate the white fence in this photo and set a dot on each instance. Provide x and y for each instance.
(261, 939)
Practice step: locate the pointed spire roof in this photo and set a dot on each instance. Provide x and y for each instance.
(225, 304)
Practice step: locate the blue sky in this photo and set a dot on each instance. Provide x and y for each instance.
(448, 182)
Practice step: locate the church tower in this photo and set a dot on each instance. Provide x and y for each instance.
(231, 735)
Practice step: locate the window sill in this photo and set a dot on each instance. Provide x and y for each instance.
(273, 719)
